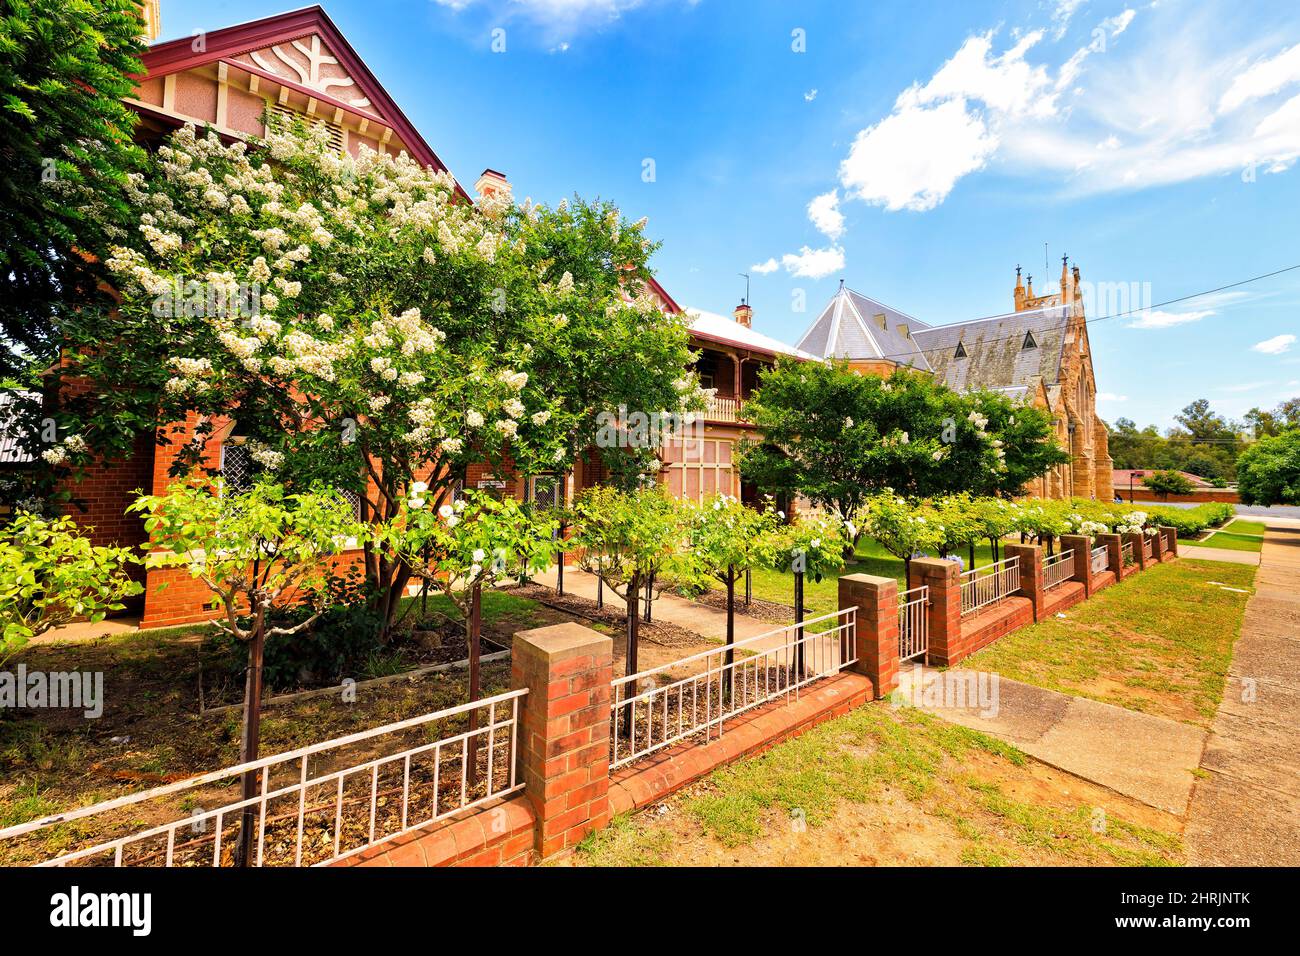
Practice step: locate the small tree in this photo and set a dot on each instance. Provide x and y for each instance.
(256, 552)
(631, 540)
(903, 529)
(1166, 483)
(726, 539)
(50, 574)
(813, 545)
(461, 548)
(1268, 472)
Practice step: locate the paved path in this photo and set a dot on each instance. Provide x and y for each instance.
(1144, 757)
(703, 619)
(1246, 811)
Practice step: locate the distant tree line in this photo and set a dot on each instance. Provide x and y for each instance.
(1204, 443)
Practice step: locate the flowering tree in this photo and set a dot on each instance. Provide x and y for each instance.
(256, 552)
(463, 547)
(633, 540)
(813, 545)
(369, 326)
(726, 539)
(479, 541)
(838, 437)
(50, 574)
(904, 529)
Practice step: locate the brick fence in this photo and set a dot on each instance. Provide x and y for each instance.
(563, 753)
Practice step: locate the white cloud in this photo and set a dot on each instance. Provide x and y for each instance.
(810, 95)
(1275, 346)
(814, 263)
(1111, 397)
(914, 157)
(763, 268)
(824, 213)
(1263, 78)
(1039, 111)
(1159, 319)
(1064, 12)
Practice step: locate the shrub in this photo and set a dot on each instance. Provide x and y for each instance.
(1167, 483)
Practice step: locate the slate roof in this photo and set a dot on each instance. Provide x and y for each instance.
(995, 352)
(849, 327)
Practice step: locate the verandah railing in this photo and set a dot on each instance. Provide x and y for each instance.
(981, 587)
(1058, 568)
(314, 805)
(660, 706)
(1126, 552)
(913, 623)
(1100, 559)
(1147, 549)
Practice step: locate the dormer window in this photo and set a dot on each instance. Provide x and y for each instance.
(961, 351)
(1029, 342)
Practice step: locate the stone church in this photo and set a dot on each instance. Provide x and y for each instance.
(1038, 353)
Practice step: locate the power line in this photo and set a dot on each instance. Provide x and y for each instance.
(1117, 315)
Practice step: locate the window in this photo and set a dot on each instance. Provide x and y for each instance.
(1029, 341)
(697, 467)
(961, 351)
(546, 491)
(240, 471)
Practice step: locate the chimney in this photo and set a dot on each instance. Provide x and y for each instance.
(490, 183)
(744, 315)
(151, 20)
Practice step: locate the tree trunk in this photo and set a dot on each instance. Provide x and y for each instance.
(749, 587)
(474, 632)
(632, 633)
(730, 656)
(970, 548)
(649, 595)
(248, 744)
(798, 621)
(600, 591)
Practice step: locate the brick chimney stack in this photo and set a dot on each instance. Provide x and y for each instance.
(490, 183)
(744, 315)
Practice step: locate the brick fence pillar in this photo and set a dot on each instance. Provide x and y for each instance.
(876, 600)
(1138, 554)
(1114, 553)
(1031, 573)
(1081, 544)
(564, 732)
(1171, 539)
(943, 578)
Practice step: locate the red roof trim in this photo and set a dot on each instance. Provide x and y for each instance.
(175, 56)
(663, 294)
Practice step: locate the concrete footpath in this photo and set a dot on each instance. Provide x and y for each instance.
(1144, 757)
(1246, 808)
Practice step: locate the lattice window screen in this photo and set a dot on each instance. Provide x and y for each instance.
(290, 114)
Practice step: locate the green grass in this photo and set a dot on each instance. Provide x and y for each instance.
(822, 597)
(875, 753)
(1159, 642)
(1240, 526)
(1232, 542)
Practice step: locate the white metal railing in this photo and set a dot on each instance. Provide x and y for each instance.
(1126, 552)
(308, 810)
(913, 623)
(649, 715)
(1058, 568)
(1146, 546)
(723, 410)
(981, 587)
(1100, 559)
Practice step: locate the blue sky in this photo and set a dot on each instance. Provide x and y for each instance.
(918, 152)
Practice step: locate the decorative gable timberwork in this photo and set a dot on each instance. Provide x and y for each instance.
(310, 63)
